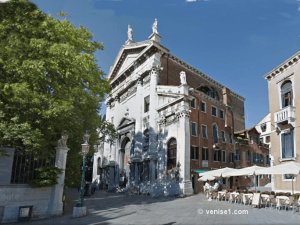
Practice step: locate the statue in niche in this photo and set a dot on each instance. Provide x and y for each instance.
(154, 26)
(183, 78)
(129, 33)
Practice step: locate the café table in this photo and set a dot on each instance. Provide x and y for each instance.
(221, 194)
(280, 200)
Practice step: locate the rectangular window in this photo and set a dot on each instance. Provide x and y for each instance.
(287, 145)
(146, 104)
(217, 155)
(193, 103)
(261, 159)
(203, 106)
(231, 157)
(268, 139)
(194, 129)
(238, 154)
(230, 138)
(194, 152)
(224, 156)
(248, 156)
(251, 139)
(288, 177)
(261, 140)
(267, 160)
(214, 111)
(222, 115)
(223, 136)
(204, 131)
(263, 127)
(252, 157)
(204, 153)
(257, 140)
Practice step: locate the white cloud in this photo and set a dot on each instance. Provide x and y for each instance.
(4, 1)
(190, 0)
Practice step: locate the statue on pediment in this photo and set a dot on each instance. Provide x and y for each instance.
(154, 26)
(183, 78)
(130, 33)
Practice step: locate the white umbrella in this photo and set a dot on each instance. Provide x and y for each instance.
(206, 178)
(218, 172)
(285, 168)
(247, 171)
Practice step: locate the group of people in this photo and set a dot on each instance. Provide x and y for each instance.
(217, 185)
(89, 189)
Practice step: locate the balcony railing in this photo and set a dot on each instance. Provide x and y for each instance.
(263, 145)
(285, 114)
(204, 163)
(241, 142)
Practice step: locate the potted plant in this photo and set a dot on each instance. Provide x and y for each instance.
(239, 138)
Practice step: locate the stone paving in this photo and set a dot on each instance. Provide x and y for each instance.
(114, 208)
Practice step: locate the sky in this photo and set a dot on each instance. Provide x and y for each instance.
(235, 42)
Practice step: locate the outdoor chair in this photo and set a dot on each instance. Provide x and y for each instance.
(227, 196)
(247, 199)
(296, 203)
(231, 198)
(289, 202)
(214, 195)
(272, 201)
(239, 198)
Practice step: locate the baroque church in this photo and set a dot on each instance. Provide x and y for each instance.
(154, 105)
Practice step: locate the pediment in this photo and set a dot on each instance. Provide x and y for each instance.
(125, 121)
(126, 56)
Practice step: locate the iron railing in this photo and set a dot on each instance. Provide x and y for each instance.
(24, 166)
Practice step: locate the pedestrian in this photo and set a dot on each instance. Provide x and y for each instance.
(89, 190)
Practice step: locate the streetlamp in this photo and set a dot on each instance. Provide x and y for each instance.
(83, 152)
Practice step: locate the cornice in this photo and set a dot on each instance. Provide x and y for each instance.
(283, 67)
(201, 74)
(207, 97)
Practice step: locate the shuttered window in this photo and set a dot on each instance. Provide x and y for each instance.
(194, 152)
(287, 145)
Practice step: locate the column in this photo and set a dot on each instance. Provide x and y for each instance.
(56, 204)
(138, 147)
(183, 145)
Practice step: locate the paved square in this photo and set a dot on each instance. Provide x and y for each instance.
(114, 208)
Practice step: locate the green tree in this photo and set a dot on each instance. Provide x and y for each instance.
(49, 83)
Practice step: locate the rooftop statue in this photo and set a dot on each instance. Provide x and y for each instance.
(129, 33)
(154, 26)
(182, 77)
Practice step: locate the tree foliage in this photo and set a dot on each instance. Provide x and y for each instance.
(49, 83)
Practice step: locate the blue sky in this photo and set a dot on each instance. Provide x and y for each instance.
(235, 42)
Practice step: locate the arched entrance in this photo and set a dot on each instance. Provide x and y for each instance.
(124, 151)
(172, 153)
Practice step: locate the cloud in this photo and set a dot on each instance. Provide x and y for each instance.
(2, 1)
(190, 0)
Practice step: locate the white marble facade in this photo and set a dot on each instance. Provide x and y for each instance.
(148, 116)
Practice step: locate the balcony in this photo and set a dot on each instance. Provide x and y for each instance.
(217, 143)
(241, 141)
(204, 163)
(286, 114)
(263, 145)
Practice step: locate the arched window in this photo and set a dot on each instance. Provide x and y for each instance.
(212, 93)
(217, 96)
(287, 94)
(172, 152)
(215, 133)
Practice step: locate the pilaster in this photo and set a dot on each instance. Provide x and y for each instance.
(138, 146)
(56, 204)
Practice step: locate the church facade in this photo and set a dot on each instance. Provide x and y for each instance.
(170, 117)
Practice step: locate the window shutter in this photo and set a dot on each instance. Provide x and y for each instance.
(207, 153)
(283, 145)
(197, 152)
(192, 155)
(213, 155)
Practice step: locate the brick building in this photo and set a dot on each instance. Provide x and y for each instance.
(173, 121)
